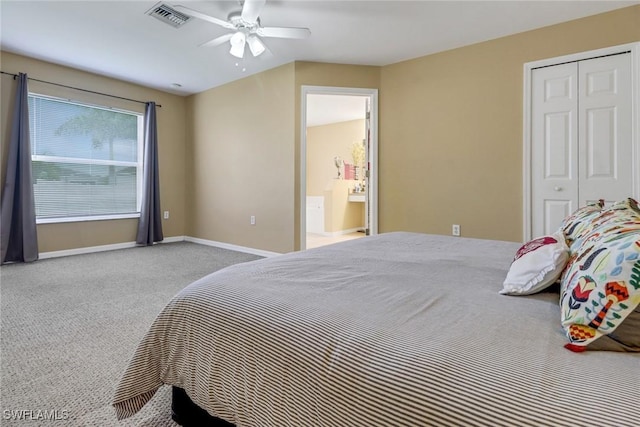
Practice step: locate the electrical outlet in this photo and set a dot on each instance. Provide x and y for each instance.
(166, 214)
(252, 220)
(455, 230)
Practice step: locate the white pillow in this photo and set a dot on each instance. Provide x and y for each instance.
(537, 265)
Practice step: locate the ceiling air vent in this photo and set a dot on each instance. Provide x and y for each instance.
(168, 15)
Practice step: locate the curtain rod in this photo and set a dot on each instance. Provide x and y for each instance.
(80, 89)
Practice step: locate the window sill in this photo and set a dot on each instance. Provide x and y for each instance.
(86, 218)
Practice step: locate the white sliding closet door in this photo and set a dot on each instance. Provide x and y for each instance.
(581, 147)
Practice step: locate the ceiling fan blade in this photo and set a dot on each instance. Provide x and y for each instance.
(217, 41)
(200, 15)
(284, 32)
(251, 10)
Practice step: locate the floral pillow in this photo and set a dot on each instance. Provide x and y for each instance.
(578, 222)
(536, 265)
(600, 287)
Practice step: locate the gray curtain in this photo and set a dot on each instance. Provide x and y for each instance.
(150, 223)
(18, 235)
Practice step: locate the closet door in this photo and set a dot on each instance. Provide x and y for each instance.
(554, 136)
(604, 129)
(581, 137)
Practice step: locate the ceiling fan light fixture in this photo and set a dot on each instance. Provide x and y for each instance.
(255, 45)
(238, 41)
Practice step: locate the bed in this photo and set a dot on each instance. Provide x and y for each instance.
(396, 329)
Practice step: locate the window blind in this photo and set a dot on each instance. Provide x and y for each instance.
(86, 160)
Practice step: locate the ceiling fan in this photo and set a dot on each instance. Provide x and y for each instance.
(245, 28)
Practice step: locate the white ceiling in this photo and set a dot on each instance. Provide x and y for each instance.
(118, 39)
(326, 109)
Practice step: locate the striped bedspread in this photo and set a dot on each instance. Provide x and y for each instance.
(398, 329)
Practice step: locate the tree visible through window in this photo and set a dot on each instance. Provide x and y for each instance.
(86, 160)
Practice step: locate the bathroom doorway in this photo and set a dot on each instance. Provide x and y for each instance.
(338, 164)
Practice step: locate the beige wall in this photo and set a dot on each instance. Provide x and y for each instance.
(171, 147)
(242, 161)
(325, 142)
(246, 154)
(451, 128)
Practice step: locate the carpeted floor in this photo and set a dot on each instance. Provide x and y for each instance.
(69, 326)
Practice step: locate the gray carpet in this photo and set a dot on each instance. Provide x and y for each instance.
(70, 325)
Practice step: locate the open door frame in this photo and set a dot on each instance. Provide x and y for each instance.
(372, 191)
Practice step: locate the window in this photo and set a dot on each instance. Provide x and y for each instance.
(86, 160)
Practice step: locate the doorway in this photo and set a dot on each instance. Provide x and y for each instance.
(338, 181)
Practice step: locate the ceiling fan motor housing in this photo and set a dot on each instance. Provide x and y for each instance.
(250, 27)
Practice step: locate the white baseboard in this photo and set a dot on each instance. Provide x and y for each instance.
(231, 247)
(126, 245)
(101, 248)
(86, 250)
(173, 239)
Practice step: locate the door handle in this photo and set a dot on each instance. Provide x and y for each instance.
(557, 188)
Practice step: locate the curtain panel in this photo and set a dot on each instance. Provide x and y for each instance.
(18, 233)
(150, 223)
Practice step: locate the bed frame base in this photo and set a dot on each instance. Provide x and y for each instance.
(188, 414)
